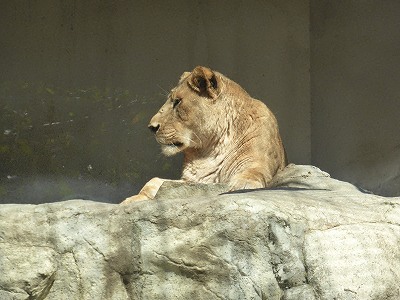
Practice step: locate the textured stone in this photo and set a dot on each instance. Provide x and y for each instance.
(310, 237)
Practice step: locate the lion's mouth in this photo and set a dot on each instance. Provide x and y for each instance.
(176, 144)
(172, 144)
(172, 148)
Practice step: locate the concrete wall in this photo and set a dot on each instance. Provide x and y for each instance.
(355, 87)
(63, 60)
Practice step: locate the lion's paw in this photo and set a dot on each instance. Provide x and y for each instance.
(134, 198)
(148, 192)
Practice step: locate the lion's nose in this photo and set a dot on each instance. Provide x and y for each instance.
(154, 127)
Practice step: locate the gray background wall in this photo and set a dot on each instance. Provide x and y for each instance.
(80, 80)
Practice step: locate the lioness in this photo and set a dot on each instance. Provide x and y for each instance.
(226, 136)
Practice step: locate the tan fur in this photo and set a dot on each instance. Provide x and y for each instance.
(226, 136)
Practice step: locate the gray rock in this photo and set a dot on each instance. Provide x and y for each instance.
(310, 237)
(176, 189)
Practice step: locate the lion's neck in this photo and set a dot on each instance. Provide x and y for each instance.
(211, 165)
(202, 169)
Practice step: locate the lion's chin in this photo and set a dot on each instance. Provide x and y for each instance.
(172, 149)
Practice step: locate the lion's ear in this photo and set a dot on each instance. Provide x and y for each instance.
(204, 81)
(184, 76)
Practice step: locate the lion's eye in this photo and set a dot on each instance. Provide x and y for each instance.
(176, 102)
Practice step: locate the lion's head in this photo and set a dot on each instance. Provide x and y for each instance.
(187, 120)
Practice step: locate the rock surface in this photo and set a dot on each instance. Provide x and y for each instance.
(311, 237)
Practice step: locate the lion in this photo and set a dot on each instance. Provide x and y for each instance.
(225, 135)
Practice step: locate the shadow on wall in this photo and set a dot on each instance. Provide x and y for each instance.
(383, 167)
(61, 144)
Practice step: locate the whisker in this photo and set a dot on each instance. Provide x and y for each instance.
(166, 93)
(198, 138)
(190, 140)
